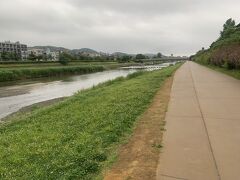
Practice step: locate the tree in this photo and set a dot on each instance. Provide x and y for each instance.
(64, 58)
(39, 57)
(230, 23)
(159, 55)
(140, 56)
(228, 28)
(32, 57)
(9, 56)
(125, 58)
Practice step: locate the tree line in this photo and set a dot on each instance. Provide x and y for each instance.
(65, 57)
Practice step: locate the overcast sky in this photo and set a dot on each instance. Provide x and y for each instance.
(180, 27)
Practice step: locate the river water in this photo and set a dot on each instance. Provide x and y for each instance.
(16, 96)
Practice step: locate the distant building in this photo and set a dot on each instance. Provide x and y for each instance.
(44, 54)
(14, 47)
(54, 56)
(91, 54)
(36, 52)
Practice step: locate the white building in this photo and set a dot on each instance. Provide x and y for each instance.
(14, 47)
(36, 52)
(54, 56)
(45, 53)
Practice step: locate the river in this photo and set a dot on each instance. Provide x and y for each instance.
(16, 96)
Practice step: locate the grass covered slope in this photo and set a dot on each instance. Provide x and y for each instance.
(76, 138)
(29, 73)
(225, 51)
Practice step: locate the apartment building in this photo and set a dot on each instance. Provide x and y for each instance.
(14, 47)
(35, 51)
(47, 54)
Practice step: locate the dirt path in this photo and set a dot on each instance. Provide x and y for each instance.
(138, 159)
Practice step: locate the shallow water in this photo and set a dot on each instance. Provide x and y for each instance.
(17, 96)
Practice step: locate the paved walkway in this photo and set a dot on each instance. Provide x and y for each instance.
(202, 138)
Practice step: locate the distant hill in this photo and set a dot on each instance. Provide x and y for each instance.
(84, 50)
(120, 54)
(52, 48)
(152, 55)
(89, 52)
(149, 55)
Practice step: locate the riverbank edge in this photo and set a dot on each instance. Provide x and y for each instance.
(105, 84)
(139, 155)
(29, 109)
(235, 73)
(21, 73)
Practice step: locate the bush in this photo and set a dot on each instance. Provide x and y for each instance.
(140, 56)
(64, 58)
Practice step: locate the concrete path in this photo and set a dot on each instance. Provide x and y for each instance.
(202, 138)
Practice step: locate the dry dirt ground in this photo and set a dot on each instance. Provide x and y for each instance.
(138, 159)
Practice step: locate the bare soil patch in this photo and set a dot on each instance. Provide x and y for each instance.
(138, 159)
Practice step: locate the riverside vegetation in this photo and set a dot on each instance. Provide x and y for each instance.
(78, 137)
(224, 54)
(29, 73)
(11, 71)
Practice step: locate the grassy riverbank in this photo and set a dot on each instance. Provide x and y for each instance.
(223, 54)
(22, 71)
(76, 138)
(41, 64)
(29, 73)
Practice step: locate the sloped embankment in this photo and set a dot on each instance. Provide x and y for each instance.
(77, 138)
(225, 51)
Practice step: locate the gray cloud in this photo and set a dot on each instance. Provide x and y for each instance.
(169, 26)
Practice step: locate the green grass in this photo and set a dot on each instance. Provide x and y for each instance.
(24, 64)
(231, 72)
(14, 72)
(29, 73)
(76, 138)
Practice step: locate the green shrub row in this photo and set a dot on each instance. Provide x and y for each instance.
(28, 73)
(227, 56)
